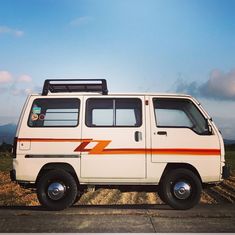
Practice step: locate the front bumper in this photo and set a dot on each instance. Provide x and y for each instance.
(226, 172)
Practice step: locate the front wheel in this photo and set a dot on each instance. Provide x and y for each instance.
(181, 189)
(56, 190)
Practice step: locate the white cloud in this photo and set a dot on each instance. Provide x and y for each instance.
(16, 91)
(80, 21)
(11, 31)
(25, 78)
(21, 91)
(220, 86)
(5, 77)
(28, 91)
(21, 86)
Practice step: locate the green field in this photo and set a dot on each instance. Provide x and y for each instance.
(230, 159)
(5, 161)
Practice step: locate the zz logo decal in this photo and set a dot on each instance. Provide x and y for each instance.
(98, 149)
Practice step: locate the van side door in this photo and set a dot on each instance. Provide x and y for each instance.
(114, 138)
(180, 134)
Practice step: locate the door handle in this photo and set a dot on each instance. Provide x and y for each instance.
(138, 136)
(162, 133)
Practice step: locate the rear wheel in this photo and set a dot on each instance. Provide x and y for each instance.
(160, 193)
(181, 189)
(56, 190)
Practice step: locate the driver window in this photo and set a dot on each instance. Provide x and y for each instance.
(169, 117)
(176, 113)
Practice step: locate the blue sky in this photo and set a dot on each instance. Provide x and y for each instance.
(151, 45)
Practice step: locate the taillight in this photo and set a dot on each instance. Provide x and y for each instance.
(15, 147)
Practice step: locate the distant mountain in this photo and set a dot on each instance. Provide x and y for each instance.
(4, 120)
(7, 133)
(227, 142)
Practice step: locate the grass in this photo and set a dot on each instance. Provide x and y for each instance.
(10, 192)
(5, 161)
(230, 159)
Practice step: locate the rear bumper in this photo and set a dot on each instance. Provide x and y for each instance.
(226, 172)
(13, 175)
(24, 184)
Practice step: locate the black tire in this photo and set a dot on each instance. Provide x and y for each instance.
(67, 196)
(79, 195)
(160, 193)
(173, 179)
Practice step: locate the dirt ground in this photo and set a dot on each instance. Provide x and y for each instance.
(12, 194)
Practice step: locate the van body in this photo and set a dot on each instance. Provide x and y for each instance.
(76, 135)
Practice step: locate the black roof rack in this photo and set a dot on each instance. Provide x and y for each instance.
(75, 85)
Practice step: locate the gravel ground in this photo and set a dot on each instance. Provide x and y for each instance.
(12, 194)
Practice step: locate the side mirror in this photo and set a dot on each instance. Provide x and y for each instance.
(209, 126)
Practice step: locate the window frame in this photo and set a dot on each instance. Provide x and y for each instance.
(119, 126)
(177, 127)
(61, 126)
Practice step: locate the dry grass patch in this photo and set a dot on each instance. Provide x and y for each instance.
(12, 194)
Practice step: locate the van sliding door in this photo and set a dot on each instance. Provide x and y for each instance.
(114, 138)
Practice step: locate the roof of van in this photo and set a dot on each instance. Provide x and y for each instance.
(112, 94)
(71, 87)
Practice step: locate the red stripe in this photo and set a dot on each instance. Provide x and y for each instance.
(210, 152)
(101, 150)
(81, 147)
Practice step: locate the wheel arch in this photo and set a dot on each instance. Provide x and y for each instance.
(55, 166)
(172, 166)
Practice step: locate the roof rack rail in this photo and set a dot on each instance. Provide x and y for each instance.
(75, 85)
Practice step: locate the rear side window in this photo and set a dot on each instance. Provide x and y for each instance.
(118, 112)
(179, 113)
(56, 112)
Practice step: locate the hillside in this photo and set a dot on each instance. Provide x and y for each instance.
(229, 142)
(7, 133)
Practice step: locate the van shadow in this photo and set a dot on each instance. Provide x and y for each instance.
(77, 207)
(127, 206)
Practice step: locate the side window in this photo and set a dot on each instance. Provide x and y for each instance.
(177, 113)
(172, 117)
(100, 112)
(119, 112)
(55, 112)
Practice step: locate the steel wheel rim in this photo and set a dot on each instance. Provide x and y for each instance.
(182, 190)
(56, 191)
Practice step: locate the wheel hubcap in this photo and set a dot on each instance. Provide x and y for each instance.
(182, 190)
(56, 191)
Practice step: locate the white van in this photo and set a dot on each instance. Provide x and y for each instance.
(76, 135)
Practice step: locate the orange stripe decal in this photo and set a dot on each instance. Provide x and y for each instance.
(187, 151)
(81, 147)
(100, 148)
(51, 140)
(209, 152)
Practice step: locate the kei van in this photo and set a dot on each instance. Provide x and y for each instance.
(76, 135)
